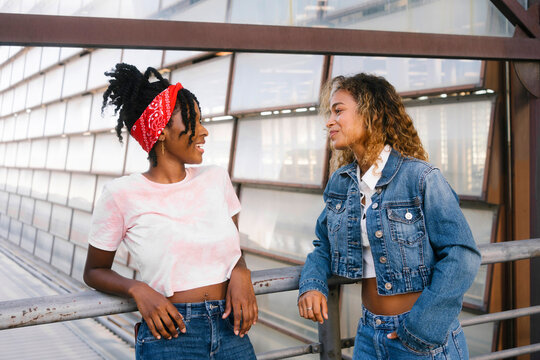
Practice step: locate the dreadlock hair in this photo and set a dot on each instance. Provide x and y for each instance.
(130, 92)
(383, 114)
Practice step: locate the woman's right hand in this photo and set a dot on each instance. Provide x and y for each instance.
(312, 305)
(161, 316)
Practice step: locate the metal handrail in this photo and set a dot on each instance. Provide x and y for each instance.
(90, 303)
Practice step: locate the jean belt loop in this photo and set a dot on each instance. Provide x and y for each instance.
(188, 311)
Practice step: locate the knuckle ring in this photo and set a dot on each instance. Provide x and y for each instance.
(308, 308)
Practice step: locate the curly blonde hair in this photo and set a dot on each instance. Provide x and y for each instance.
(385, 119)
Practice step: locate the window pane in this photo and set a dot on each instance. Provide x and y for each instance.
(76, 76)
(109, 154)
(62, 255)
(136, 158)
(78, 114)
(59, 187)
(19, 100)
(413, 74)
(481, 222)
(44, 243)
(102, 60)
(54, 120)
(176, 56)
(23, 154)
(217, 149)
(274, 80)
(27, 210)
(97, 121)
(142, 59)
(42, 214)
(40, 184)
(80, 228)
(280, 222)
(14, 205)
(81, 191)
(455, 135)
(60, 221)
(56, 154)
(33, 59)
(28, 239)
(21, 126)
(284, 149)
(208, 81)
(38, 153)
(50, 56)
(9, 129)
(36, 124)
(209, 11)
(67, 52)
(25, 182)
(79, 154)
(53, 84)
(35, 91)
(11, 154)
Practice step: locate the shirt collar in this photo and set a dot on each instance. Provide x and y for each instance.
(372, 176)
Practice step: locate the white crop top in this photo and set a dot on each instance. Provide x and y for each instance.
(180, 235)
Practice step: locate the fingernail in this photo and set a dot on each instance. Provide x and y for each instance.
(236, 332)
(183, 330)
(159, 337)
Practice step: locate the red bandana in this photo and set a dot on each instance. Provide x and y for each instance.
(148, 127)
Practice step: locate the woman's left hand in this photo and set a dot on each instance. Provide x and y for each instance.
(241, 299)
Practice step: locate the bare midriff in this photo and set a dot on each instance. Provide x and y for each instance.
(201, 294)
(386, 305)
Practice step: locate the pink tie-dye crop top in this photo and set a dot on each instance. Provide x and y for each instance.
(180, 235)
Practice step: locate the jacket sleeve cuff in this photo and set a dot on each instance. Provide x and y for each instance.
(412, 341)
(313, 284)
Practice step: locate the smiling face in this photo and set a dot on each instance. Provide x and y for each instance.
(346, 128)
(177, 146)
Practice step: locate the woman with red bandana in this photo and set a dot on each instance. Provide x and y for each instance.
(180, 226)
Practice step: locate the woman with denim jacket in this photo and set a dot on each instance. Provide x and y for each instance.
(392, 221)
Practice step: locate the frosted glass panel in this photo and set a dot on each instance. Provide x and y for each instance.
(209, 10)
(25, 182)
(44, 243)
(27, 210)
(275, 80)
(79, 155)
(33, 59)
(100, 61)
(14, 205)
(4, 225)
(23, 154)
(78, 114)
(21, 126)
(281, 222)
(59, 187)
(35, 91)
(481, 223)
(176, 56)
(56, 154)
(80, 227)
(208, 81)
(4, 199)
(19, 97)
(62, 255)
(137, 158)
(81, 191)
(50, 56)
(60, 221)
(109, 154)
(40, 184)
(42, 214)
(217, 149)
(76, 76)
(36, 125)
(97, 121)
(456, 138)
(38, 153)
(54, 120)
(142, 59)
(7, 103)
(412, 74)
(286, 149)
(15, 230)
(9, 129)
(28, 239)
(53, 84)
(11, 154)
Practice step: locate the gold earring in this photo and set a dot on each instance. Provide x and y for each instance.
(163, 147)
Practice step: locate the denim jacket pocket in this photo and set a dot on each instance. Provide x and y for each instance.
(335, 213)
(406, 224)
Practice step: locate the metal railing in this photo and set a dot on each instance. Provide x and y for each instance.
(90, 303)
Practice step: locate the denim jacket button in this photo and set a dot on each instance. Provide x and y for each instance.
(382, 259)
(387, 286)
(338, 206)
(374, 206)
(408, 216)
(378, 234)
(378, 322)
(378, 190)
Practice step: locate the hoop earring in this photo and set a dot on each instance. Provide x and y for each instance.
(163, 147)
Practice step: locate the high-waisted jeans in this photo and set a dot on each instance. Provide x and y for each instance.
(371, 341)
(207, 336)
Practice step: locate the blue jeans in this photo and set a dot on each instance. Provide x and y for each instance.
(371, 341)
(207, 336)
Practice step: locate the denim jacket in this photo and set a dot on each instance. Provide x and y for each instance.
(419, 239)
